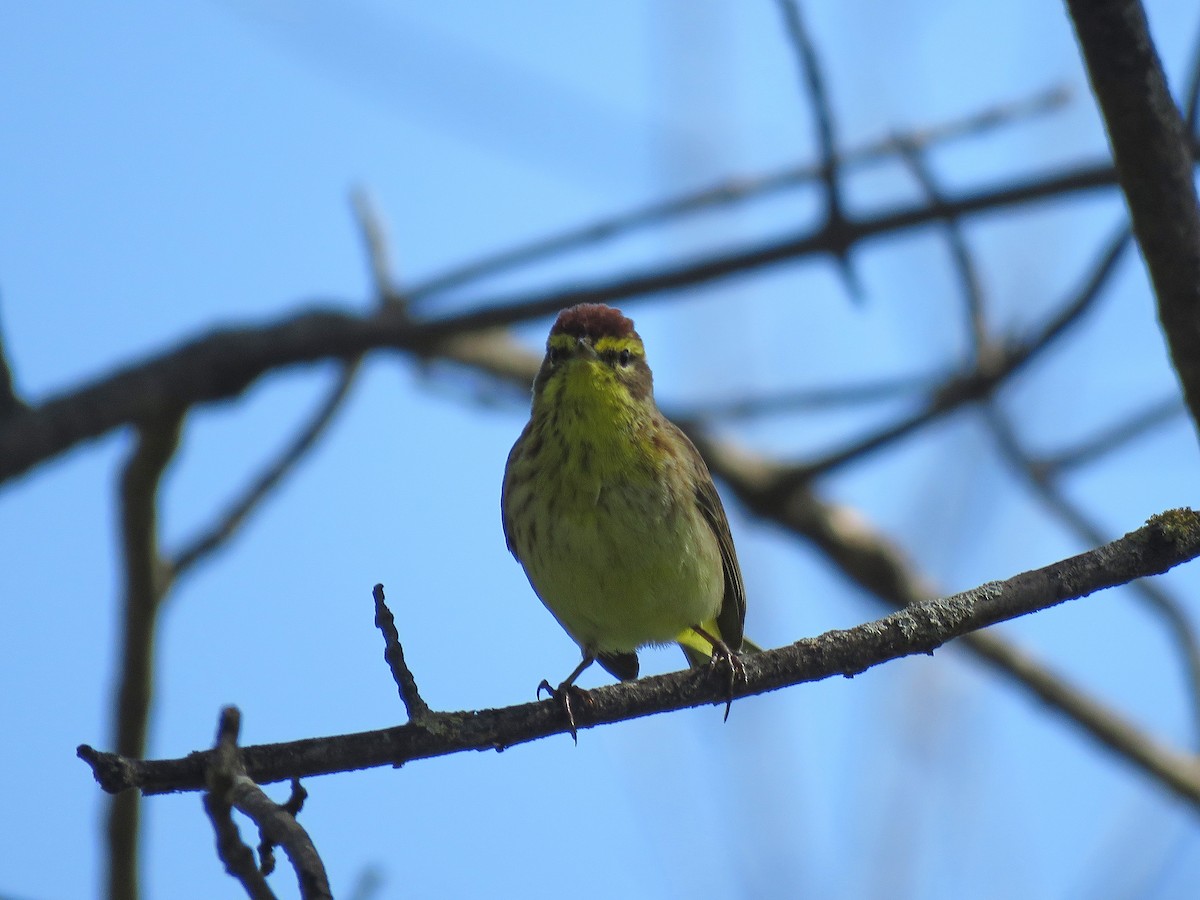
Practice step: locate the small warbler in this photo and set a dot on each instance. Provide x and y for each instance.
(612, 512)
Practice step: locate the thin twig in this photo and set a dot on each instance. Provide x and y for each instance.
(375, 239)
(960, 253)
(1192, 106)
(1113, 438)
(814, 82)
(238, 512)
(811, 399)
(418, 709)
(980, 381)
(279, 828)
(737, 190)
(9, 401)
(223, 771)
(229, 787)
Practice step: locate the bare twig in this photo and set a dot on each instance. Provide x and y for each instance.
(375, 240)
(290, 807)
(9, 401)
(280, 828)
(738, 190)
(1154, 163)
(1192, 106)
(418, 709)
(814, 82)
(1165, 541)
(224, 770)
(1111, 439)
(964, 264)
(227, 525)
(980, 381)
(228, 787)
(224, 363)
(146, 582)
(811, 399)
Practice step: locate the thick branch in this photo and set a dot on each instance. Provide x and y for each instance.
(1165, 541)
(1154, 165)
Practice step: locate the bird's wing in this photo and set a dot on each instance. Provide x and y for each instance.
(732, 617)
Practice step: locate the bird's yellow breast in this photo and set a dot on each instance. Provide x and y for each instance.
(617, 556)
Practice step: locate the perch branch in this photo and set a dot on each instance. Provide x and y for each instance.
(1165, 541)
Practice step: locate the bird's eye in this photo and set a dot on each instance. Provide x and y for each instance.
(554, 354)
(623, 358)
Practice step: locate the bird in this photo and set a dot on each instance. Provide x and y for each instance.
(612, 512)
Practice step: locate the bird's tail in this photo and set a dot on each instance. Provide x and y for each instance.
(699, 650)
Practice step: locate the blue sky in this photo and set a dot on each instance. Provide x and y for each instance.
(172, 170)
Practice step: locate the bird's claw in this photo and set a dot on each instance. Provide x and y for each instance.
(562, 694)
(735, 670)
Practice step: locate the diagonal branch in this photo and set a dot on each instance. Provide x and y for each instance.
(810, 399)
(1167, 609)
(208, 542)
(1166, 541)
(229, 788)
(1111, 439)
(814, 82)
(964, 263)
(736, 190)
(1154, 165)
(869, 560)
(980, 381)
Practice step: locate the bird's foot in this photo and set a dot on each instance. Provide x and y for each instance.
(563, 695)
(734, 670)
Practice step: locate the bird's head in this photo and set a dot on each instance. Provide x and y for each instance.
(593, 356)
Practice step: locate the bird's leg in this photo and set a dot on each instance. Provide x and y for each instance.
(563, 692)
(723, 656)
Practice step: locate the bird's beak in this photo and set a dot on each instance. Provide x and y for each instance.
(586, 350)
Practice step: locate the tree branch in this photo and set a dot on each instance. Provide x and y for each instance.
(1165, 607)
(805, 52)
(9, 401)
(1154, 165)
(227, 525)
(228, 788)
(393, 653)
(736, 190)
(146, 582)
(1165, 541)
(223, 363)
